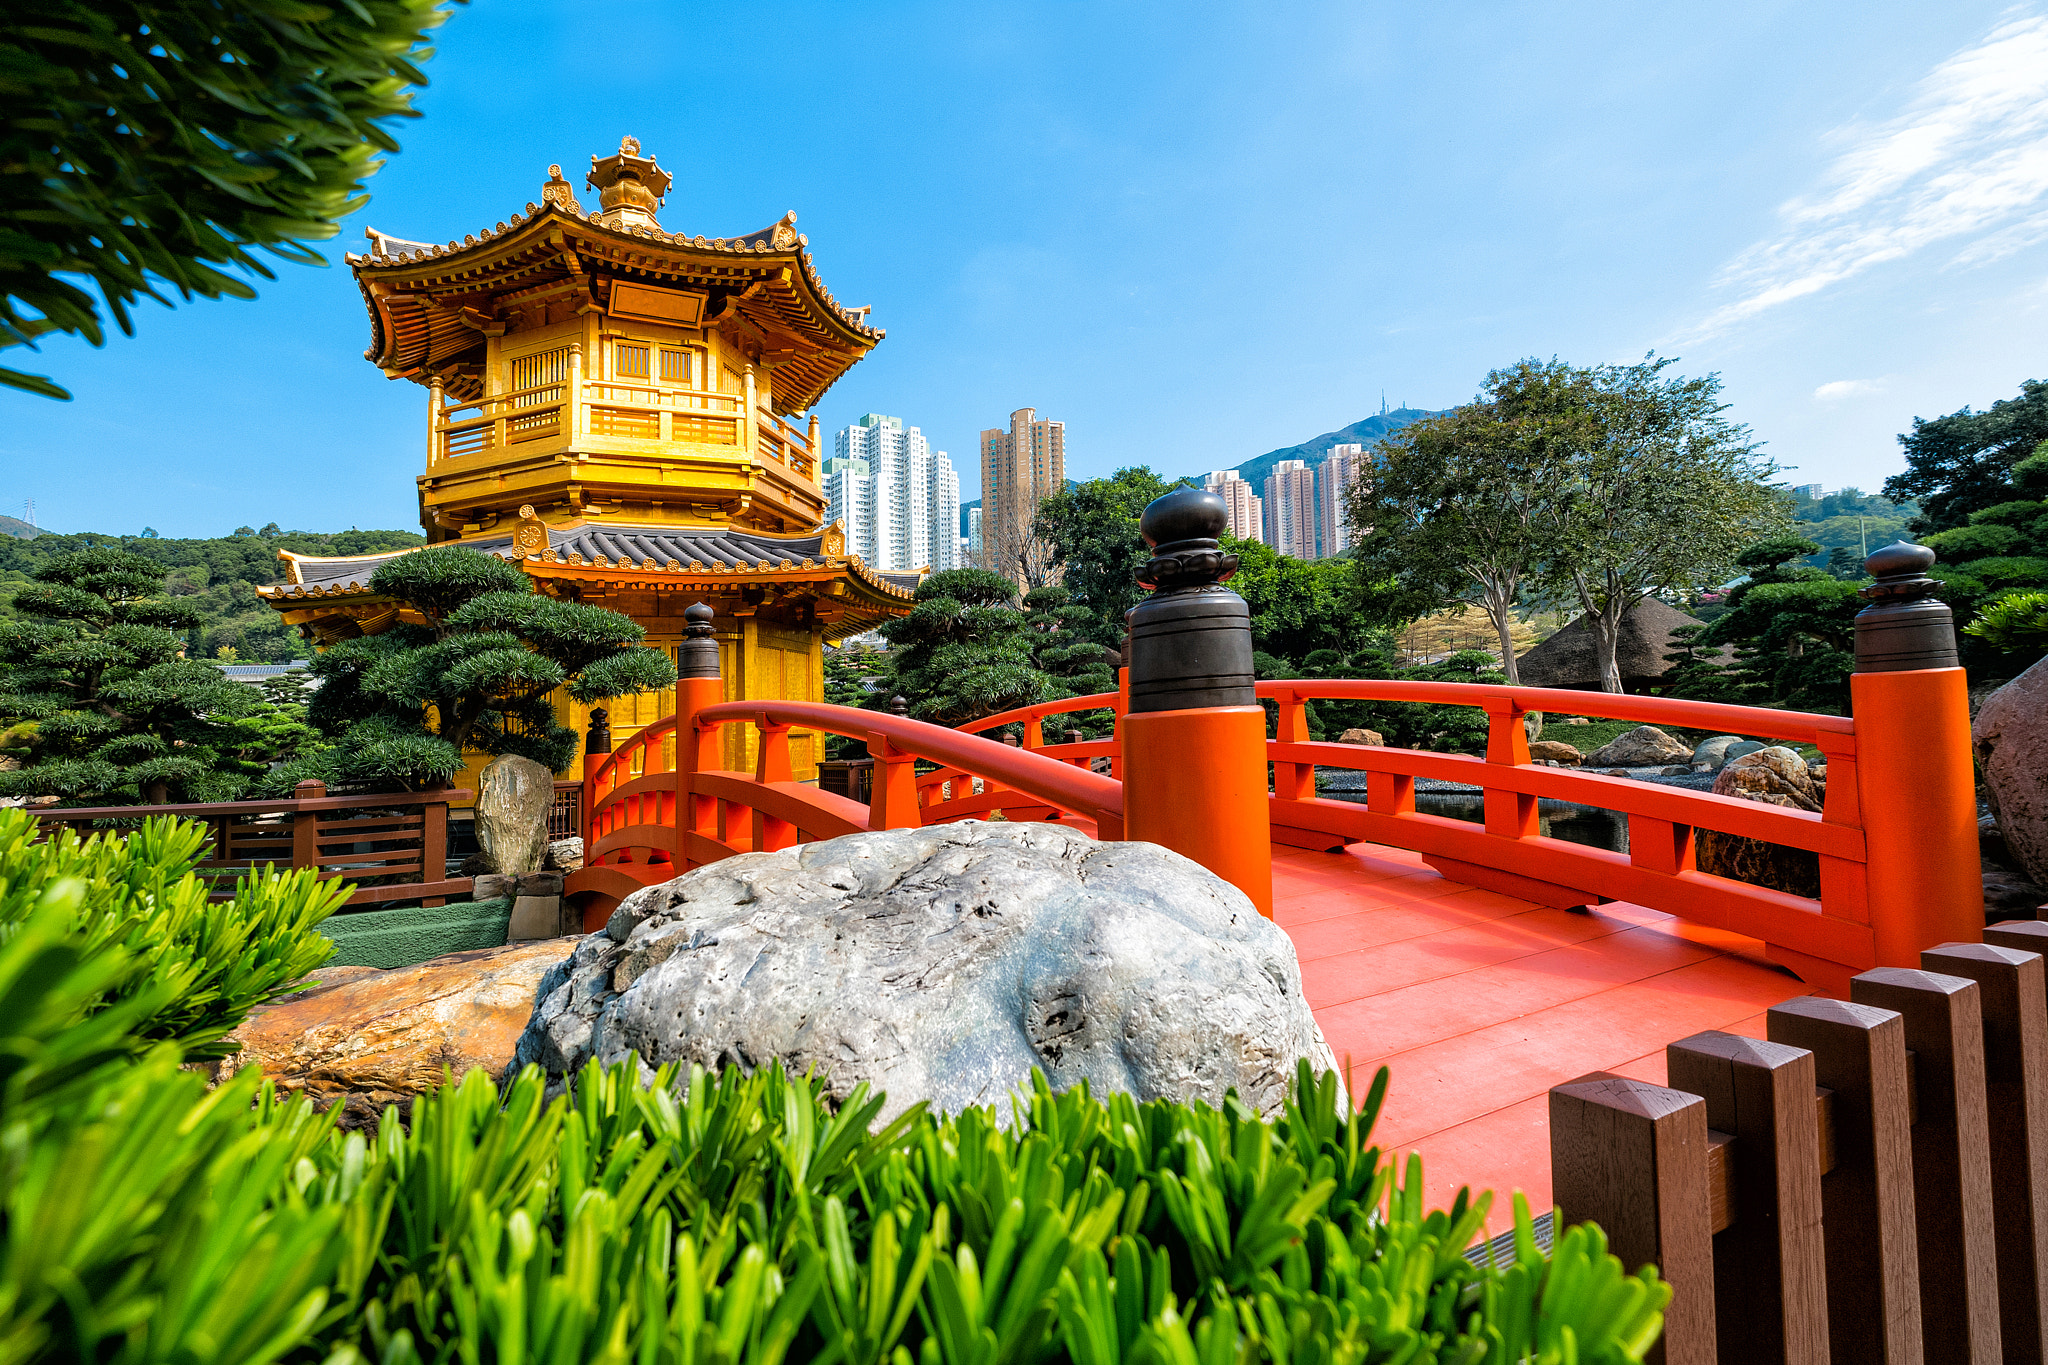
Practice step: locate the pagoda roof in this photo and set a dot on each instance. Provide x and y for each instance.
(431, 305)
(635, 549)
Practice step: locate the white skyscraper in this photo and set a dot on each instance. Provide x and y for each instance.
(898, 499)
(1336, 476)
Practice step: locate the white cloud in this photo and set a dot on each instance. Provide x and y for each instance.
(1968, 159)
(1839, 389)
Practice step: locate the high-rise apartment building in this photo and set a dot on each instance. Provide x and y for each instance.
(1246, 508)
(898, 499)
(1336, 476)
(1020, 468)
(1290, 509)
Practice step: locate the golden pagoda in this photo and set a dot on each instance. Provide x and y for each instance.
(616, 408)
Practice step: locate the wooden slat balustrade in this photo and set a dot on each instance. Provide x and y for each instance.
(379, 837)
(1868, 1184)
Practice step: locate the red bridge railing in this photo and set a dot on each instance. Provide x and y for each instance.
(636, 835)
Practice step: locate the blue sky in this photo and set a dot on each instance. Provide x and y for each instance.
(1193, 232)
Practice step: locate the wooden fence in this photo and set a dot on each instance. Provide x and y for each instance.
(394, 845)
(1870, 1184)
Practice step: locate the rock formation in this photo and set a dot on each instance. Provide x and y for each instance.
(1557, 751)
(1777, 777)
(512, 799)
(1643, 747)
(2010, 735)
(372, 1038)
(943, 964)
(1360, 735)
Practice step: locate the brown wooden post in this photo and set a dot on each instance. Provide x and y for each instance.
(1873, 1265)
(434, 847)
(1951, 1159)
(2011, 989)
(306, 824)
(1632, 1157)
(1770, 1272)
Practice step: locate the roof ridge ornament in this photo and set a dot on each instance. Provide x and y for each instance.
(630, 186)
(558, 192)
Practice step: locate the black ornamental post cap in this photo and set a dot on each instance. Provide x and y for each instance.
(697, 657)
(598, 740)
(1904, 627)
(1190, 643)
(898, 706)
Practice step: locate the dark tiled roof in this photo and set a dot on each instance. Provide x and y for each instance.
(906, 581)
(631, 544)
(637, 543)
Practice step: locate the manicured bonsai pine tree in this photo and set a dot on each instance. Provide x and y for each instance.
(98, 706)
(402, 706)
(965, 651)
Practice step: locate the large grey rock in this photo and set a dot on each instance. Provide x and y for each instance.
(512, 799)
(943, 964)
(1714, 752)
(1643, 747)
(2010, 735)
(564, 855)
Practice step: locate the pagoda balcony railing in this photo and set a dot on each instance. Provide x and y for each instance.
(618, 409)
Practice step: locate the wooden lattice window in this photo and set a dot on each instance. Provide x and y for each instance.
(675, 367)
(629, 360)
(536, 371)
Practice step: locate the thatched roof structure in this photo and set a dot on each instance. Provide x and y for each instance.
(1567, 659)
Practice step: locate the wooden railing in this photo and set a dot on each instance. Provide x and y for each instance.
(1868, 1185)
(1826, 940)
(398, 840)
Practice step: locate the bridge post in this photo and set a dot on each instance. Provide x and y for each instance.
(1914, 779)
(1194, 735)
(698, 685)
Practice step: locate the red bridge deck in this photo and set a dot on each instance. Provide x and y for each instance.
(1480, 1002)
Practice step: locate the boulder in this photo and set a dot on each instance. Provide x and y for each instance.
(1714, 752)
(2010, 735)
(942, 965)
(1575, 720)
(1775, 776)
(1643, 747)
(1742, 748)
(512, 799)
(1558, 752)
(1357, 735)
(2007, 895)
(563, 855)
(371, 1038)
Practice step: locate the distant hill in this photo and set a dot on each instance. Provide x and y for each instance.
(15, 526)
(1366, 431)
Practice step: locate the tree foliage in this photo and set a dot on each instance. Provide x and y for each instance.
(1298, 606)
(1092, 530)
(477, 674)
(1963, 463)
(1998, 554)
(98, 705)
(156, 145)
(965, 651)
(1462, 506)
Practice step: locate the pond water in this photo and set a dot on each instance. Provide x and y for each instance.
(1565, 820)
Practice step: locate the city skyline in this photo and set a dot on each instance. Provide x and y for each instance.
(896, 497)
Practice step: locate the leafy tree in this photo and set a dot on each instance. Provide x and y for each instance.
(2016, 623)
(965, 651)
(854, 676)
(1661, 491)
(1999, 552)
(1843, 563)
(1092, 530)
(476, 674)
(1793, 634)
(99, 706)
(1064, 648)
(1695, 673)
(156, 144)
(1964, 462)
(1298, 606)
(1462, 506)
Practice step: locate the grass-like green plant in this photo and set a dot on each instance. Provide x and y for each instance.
(702, 1219)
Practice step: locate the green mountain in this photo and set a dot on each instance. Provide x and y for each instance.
(219, 576)
(1367, 431)
(15, 526)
